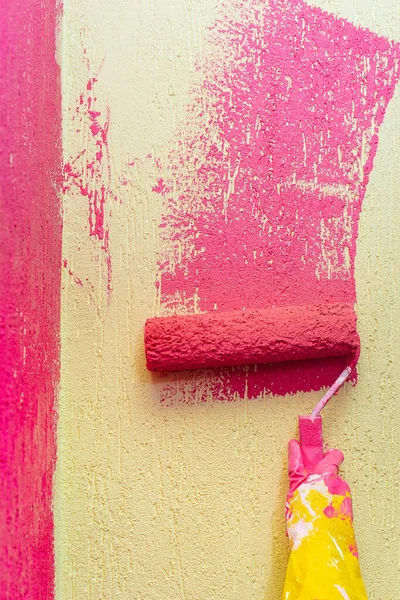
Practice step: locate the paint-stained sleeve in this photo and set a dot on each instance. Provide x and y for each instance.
(323, 561)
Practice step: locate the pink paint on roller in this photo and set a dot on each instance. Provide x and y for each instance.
(250, 337)
(311, 441)
(30, 283)
(263, 188)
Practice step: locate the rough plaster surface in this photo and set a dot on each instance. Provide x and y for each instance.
(186, 500)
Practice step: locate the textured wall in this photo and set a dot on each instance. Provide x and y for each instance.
(30, 260)
(184, 498)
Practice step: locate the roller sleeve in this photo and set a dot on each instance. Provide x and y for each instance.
(219, 339)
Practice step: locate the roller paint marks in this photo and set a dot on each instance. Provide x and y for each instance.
(30, 261)
(88, 173)
(264, 183)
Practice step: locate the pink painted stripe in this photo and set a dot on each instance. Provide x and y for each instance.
(30, 261)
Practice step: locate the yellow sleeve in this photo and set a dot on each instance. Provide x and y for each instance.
(323, 563)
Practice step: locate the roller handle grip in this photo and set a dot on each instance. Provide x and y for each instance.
(311, 444)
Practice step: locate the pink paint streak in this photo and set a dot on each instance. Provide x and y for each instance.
(264, 186)
(89, 172)
(30, 255)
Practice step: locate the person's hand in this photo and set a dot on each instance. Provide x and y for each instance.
(323, 562)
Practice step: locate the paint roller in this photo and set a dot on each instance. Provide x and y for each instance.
(222, 339)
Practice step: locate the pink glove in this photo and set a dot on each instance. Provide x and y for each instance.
(323, 563)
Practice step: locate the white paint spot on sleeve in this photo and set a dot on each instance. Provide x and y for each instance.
(342, 591)
(336, 545)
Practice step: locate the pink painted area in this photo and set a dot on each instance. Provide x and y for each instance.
(88, 173)
(251, 337)
(30, 264)
(264, 185)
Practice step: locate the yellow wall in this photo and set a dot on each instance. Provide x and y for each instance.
(186, 502)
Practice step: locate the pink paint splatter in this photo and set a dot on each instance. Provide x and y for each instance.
(85, 284)
(330, 512)
(30, 259)
(89, 172)
(75, 279)
(345, 510)
(353, 549)
(265, 183)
